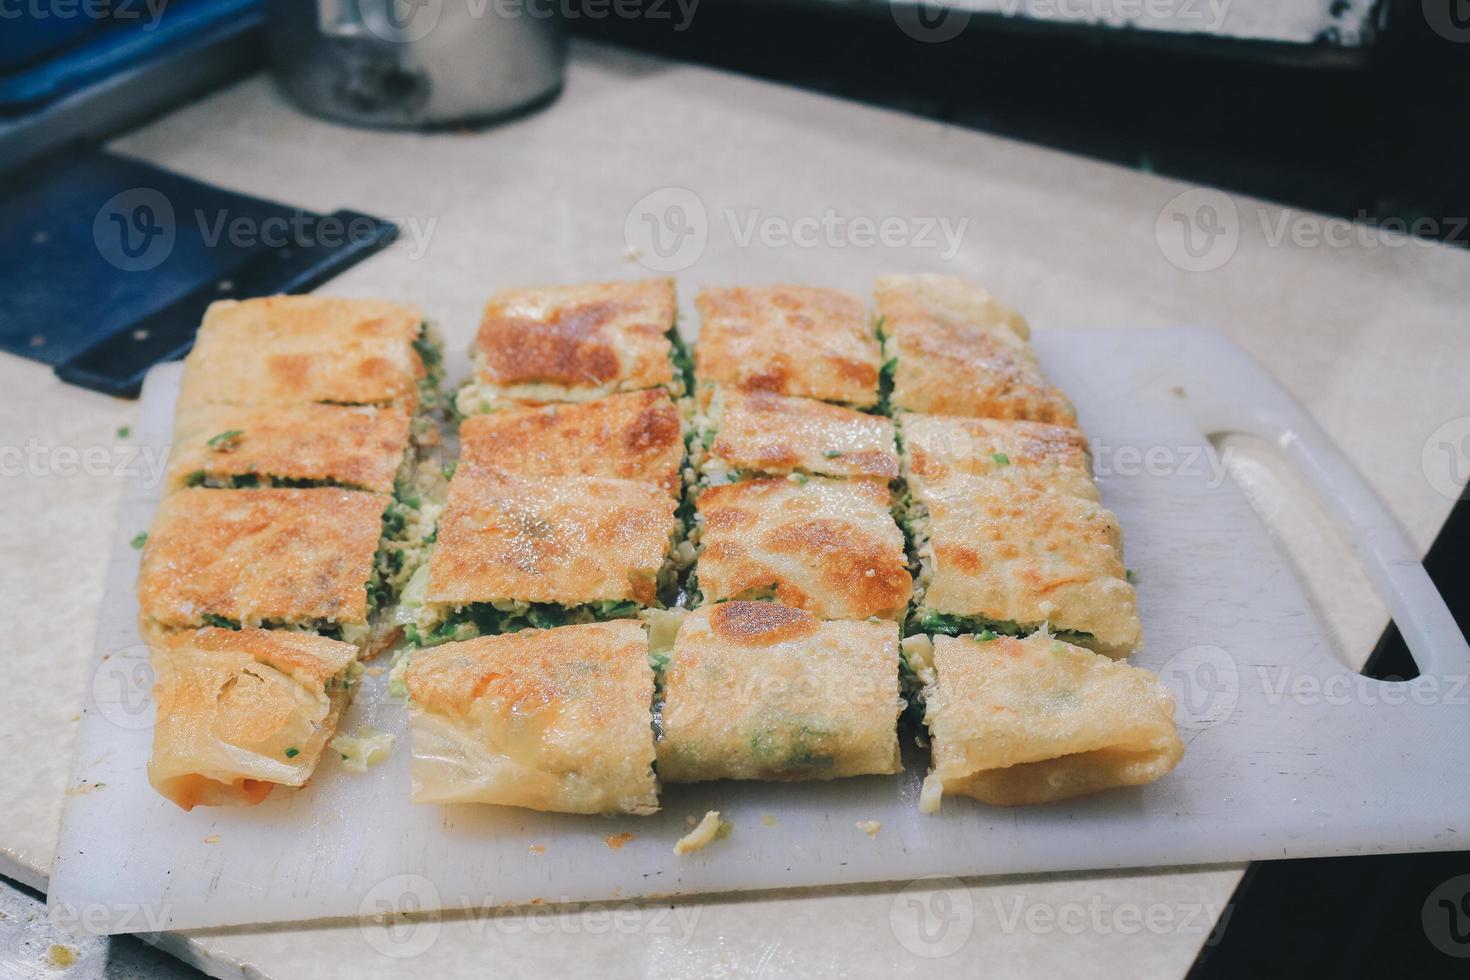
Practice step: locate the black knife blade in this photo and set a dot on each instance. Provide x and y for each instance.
(116, 364)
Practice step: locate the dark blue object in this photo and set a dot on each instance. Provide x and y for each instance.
(43, 58)
(27, 39)
(98, 241)
(116, 365)
(96, 245)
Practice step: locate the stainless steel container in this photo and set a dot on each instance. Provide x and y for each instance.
(416, 63)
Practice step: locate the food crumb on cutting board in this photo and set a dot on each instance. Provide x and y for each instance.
(616, 841)
(60, 956)
(710, 829)
(367, 748)
(870, 827)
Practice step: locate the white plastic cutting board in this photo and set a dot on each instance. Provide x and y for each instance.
(1289, 754)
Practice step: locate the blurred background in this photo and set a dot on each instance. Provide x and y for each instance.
(1333, 106)
(1340, 106)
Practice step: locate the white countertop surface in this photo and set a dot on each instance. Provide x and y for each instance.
(1370, 334)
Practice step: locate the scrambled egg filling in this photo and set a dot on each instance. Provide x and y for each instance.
(708, 830)
(367, 748)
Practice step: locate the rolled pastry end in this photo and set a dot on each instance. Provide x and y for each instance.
(243, 711)
(554, 719)
(1026, 721)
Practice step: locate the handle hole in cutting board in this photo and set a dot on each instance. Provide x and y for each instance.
(1339, 590)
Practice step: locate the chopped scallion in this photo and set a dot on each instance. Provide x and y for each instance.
(225, 441)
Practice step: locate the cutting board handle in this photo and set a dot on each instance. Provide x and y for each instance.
(1391, 560)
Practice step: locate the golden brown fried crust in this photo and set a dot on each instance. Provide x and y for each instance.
(947, 368)
(252, 556)
(565, 348)
(944, 448)
(769, 701)
(356, 446)
(593, 335)
(535, 668)
(568, 540)
(303, 655)
(554, 719)
(285, 349)
(1025, 721)
(931, 296)
(240, 711)
(1015, 553)
(633, 436)
(769, 433)
(827, 546)
(792, 340)
(755, 624)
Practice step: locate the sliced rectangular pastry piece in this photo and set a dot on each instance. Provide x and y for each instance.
(756, 690)
(556, 719)
(288, 349)
(633, 436)
(575, 343)
(828, 546)
(944, 449)
(516, 551)
(302, 558)
(381, 449)
(951, 355)
(1007, 558)
(1035, 720)
(791, 340)
(361, 447)
(243, 711)
(927, 296)
(762, 433)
